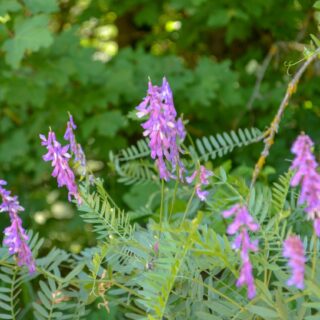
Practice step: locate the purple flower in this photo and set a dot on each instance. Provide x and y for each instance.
(305, 167)
(15, 237)
(316, 226)
(242, 219)
(60, 162)
(294, 251)
(162, 128)
(202, 176)
(242, 223)
(74, 146)
(246, 278)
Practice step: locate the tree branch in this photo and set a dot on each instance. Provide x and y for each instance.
(274, 126)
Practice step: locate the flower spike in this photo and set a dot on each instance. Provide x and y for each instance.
(60, 162)
(306, 175)
(162, 128)
(242, 223)
(15, 237)
(294, 251)
(75, 147)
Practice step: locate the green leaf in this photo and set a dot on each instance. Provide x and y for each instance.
(9, 150)
(9, 6)
(5, 316)
(107, 124)
(315, 40)
(317, 5)
(30, 34)
(74, 272)
(264, 312)
(219, 18)
(47, 6)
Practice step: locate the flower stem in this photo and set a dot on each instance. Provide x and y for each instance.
(314, 257)
(173, 199)
(161, 206)
(188, 206)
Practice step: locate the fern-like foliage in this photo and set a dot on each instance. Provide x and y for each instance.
(138, 151)
(55, 299)
(12, 277)
(280, 191)
(55, 302)
(158, 282)
(132, 166)
(107, 220)
(136, 172)
(9, 293)
(260, 203)
(50, 300)
(221, 144)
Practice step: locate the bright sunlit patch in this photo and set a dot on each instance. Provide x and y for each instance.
(4, 19)
(171, 26)
(41, 217)
(252, 66)
(61, 210)
(308, 104)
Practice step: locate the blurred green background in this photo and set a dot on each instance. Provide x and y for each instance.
(93, 58)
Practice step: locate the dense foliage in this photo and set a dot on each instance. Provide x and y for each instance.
(167, 254)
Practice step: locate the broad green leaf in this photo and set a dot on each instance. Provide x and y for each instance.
(30, 34)
(106, 124)
(9, 6)
(47, 6)
(317, 5)
(15, 146)
(219, 19)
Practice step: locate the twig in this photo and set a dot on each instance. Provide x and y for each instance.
(262, 70)
(274, 49)
(273, 129)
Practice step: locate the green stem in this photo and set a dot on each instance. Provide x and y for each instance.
(314, 257)
(295, 297)
(173, 198)
(161, 206)
(188, 206)
(12, 299)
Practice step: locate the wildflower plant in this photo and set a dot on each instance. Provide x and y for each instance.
(242, 224)
(15, 237)
(163, 129)
(207, 244)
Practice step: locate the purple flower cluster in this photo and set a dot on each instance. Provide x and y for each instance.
(294, 251)
(75, 147)
(242, 223)
(202, 176)
(162, 128)
(15, 237)
(305, 167)
(60, 162)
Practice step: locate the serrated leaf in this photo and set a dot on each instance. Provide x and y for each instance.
(30, 34)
